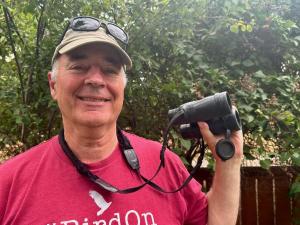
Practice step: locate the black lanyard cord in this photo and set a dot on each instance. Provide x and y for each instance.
(82, 169)
(132, 161)
(188, 179)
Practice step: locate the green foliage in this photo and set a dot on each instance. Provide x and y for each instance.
(181, 51)
(295, 194)
(259, 66)
(295, 189)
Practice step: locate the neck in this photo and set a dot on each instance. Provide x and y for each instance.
(91, 144)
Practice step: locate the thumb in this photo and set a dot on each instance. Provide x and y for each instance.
(204, 129)
(210, 139)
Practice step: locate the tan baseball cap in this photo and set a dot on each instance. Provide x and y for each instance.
(74, 39)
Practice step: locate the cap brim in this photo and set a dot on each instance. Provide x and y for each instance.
(80, 42)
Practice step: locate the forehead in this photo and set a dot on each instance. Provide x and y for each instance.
(101, 53)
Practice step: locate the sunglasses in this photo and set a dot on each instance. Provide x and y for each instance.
(88, 23)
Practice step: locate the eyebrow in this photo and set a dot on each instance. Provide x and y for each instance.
(77, 56)
(113, 60)
(80, 56)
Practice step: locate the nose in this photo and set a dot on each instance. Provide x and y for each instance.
(95, 78)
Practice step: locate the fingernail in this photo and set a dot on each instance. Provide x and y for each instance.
(201, 124)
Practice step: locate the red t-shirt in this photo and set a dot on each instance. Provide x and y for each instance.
(42, 187)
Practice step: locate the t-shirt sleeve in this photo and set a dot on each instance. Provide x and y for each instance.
(197, 206)
(196, 200)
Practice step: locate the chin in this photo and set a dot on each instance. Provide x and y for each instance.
(95, 119)
(93, 124)
(96, 123)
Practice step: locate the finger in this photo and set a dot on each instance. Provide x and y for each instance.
(204, 129)
(207, 135)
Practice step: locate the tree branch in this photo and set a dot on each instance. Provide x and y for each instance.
(12, 44)
(39, 35)
(50, 123)
(113, 11)
(15, 28)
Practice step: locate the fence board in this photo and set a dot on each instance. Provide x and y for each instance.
(265, 198)
(264, 195)
(283, 212)
(248, 198)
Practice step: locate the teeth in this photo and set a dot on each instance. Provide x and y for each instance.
(94, 99)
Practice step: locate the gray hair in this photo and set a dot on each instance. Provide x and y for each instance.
(55, 68)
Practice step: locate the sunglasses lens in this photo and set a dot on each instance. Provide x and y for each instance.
(117, 32)
(85, 24)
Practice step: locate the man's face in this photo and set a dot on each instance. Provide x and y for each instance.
(89, 86)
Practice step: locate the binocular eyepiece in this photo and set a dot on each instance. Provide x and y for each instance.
(217, 112)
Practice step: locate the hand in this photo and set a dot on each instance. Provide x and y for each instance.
(211, 140)
(224, 195)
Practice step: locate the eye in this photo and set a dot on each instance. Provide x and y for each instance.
(110, 70)
(79, 68)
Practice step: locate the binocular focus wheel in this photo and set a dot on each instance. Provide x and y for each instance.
(225, 149)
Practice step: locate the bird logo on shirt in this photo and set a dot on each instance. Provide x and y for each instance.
(100, 202)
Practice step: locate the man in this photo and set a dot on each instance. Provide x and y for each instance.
(89, 174)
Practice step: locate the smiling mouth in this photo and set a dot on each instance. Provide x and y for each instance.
(90, 99)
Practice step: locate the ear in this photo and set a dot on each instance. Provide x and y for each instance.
(52, 85)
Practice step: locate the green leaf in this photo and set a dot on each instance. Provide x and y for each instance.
(259, 74)
(249, 156)
(18, 120)
(248, 63)
(296, 157)
(185, 143)
(203, 66)
(295, 189)
(234, 28)
(249, 118)
(249, 28)
(287, 117)
(265, 163)
(247, 108)
(4, 4)
(243, 27)
(235, 63)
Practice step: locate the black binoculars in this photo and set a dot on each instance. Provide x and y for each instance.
(217, 112)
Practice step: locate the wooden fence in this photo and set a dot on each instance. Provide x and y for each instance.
(264, 195)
